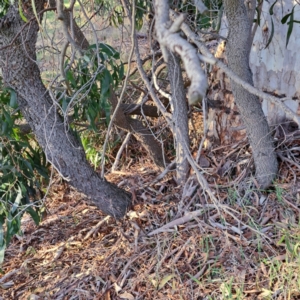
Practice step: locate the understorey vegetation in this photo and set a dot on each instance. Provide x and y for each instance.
(149, 149)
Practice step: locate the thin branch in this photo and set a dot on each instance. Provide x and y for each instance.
(123, 88)
(62, 15)
(117, 160)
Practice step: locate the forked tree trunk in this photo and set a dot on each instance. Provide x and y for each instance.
(238, 50)
(62, 149)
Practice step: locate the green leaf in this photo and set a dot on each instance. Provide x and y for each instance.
(65, 104)
(21, 12)
(17, 201)
(86, 58)
(13, 99)
(1, 231)
(23, 188)
(288, 245)
(257, 20)
(121, 71)
(28, 165)
(194, 278)
(4, 128)
(35, 216)
(290, 28)
(109, 50)
(105, 82)
(285, 18)
(70, 77)
(139, 23)
(2, 252)
(271, 35)
(272, 7)
(35, 12)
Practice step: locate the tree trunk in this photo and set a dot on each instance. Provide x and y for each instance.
(180, 117)
(62, 149)
(276, 68)
(238, 50)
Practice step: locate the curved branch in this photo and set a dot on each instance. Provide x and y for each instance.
(171, 39)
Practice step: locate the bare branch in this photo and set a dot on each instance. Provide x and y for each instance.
(123, 89)
(168, 38)
(62, 16)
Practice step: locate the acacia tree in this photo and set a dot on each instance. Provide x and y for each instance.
(62, 149)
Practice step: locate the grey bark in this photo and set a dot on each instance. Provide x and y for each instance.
(238, 50)
(180, 116)
(62, 149)
(65, 17)
(276, 67)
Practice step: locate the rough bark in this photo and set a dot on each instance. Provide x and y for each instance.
(180, 117)
(62, 149)
(238, 50)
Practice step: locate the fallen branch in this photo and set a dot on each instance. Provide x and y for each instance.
(186, 218)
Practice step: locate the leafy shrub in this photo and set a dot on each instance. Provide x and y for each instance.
(23, 171)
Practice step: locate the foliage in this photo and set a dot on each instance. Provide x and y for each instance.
(4, 5)
(93, 75)
(207, 257)
(91, 78)
(287, 19)
(23, 171)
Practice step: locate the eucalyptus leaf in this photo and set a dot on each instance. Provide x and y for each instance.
(272, 8)
(35, 216)
(290, 27)
(272, 33)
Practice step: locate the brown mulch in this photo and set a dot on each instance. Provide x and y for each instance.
(243, 250)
